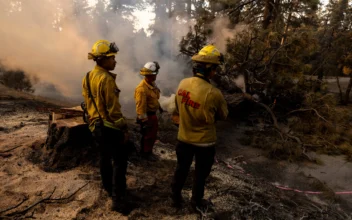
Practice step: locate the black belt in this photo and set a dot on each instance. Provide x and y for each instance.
(151, 113)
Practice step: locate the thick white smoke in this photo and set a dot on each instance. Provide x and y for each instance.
(51, 40)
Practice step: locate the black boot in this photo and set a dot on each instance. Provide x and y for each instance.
(177, 200)
(202, 205)
(122, 206)
(149, 156)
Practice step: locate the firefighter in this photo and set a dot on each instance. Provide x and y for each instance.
(198, 106)
(147, 96)
(107, 123)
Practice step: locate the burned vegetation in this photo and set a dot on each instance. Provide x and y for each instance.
(56, 175)
(293, 58)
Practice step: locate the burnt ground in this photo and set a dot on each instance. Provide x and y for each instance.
(241, 184)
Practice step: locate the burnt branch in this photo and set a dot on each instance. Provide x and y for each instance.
(11, 149)
(47, 199)
(68, 197)
(33, 205)
(276, 124)
(186, 52)
(310, 109)
(15, 206)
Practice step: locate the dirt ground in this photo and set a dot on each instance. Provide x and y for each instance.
(241, 184)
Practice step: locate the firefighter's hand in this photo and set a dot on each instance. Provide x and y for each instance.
(256, 98)
(247, 96)
(176, 119)
(146, 125)
(141, 121)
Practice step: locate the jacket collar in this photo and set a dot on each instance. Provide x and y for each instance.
(202, 77)
(101, 69)
(148, 85)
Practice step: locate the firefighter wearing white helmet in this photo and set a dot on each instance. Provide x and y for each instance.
(147, 96)
(106, 122)
(198, 106)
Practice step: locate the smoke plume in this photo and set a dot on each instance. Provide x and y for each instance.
(51, 40)
(222, 32)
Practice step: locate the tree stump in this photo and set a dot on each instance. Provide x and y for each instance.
(69, 142)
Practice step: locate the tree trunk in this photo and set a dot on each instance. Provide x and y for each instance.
(339, 85)
(287, 24)
(189, 8)
(348, 90)
(268, 13)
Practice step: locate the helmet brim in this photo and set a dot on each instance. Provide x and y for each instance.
(110, 54)
(148, 73)
(206, 59)
(92, 57)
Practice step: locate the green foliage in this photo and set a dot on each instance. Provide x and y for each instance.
(284, 44)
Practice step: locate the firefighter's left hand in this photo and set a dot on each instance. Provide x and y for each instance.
(146, 125)
(247, 96)
(175, 119)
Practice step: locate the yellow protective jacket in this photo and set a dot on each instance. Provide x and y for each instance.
(147, 99)
(199, 104)
(106, 96)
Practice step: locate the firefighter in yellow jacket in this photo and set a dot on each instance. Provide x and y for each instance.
(147, 96)
(198, 106)
(106, 122)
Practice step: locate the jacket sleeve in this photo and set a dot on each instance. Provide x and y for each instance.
(175, 114)
(141, 103)
(176, 106)
(215, 107)
(222, 111)
(111, 94)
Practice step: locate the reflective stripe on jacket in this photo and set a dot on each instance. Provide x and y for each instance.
(106, 96)
(147, 99)
(199, 104)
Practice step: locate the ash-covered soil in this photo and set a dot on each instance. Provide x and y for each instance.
(30, 189)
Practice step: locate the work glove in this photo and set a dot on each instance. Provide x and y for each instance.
(175, 119)
(255, 98)
(247, 96)
(145, 124)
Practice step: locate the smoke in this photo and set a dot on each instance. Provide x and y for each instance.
(240, 83)
(168, 103)
(30, 42)
(222, 32)
(51, 40)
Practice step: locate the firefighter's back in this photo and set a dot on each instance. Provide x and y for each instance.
(198, 103)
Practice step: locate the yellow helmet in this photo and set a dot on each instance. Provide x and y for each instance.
(150, 68)
(208, 54)
(103, 48)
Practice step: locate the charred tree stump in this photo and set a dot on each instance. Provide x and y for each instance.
(69, 142)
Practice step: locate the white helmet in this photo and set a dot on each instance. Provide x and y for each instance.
(150, 68)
